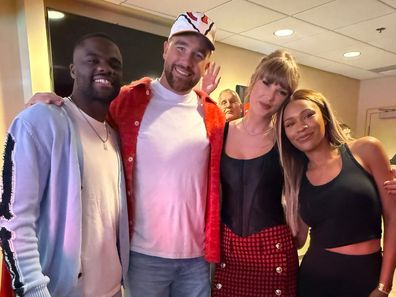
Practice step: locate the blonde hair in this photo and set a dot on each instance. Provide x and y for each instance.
(293, 160)
(278, 67)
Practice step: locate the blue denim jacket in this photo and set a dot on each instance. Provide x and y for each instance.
(40, 206)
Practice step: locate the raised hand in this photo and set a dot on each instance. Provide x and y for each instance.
(211, 79)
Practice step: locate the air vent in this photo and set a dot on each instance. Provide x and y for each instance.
(387, 114)
(386, 69)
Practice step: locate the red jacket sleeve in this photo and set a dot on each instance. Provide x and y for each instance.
(5, 286)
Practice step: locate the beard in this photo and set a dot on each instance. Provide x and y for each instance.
(180, 85)
(105, 97)
(102, 95)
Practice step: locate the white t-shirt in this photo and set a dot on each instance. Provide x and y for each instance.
(101, 266)
(171, 176)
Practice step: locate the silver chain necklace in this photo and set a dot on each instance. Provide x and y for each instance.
(265, 132)
(104, 141)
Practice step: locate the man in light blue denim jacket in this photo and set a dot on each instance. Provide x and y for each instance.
(63, 216)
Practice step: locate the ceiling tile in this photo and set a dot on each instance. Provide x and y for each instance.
(301, 30)
(386, 43)
(221, 34)
(371, 57)
(289, 7)
(324, 29)
(172, 9)
(341, 13)
(390, 2)
(229, 17)
(331, 66)
(251, 44)
(322, 43)
(366, 31)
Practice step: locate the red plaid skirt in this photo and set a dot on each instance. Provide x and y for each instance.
(263, 264)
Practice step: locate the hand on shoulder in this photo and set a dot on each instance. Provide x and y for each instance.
(45, 97)
(390, 185)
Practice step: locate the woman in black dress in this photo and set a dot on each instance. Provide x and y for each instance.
(258, 257)
(334, 186)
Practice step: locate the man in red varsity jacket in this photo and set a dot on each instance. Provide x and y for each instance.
(171, 139)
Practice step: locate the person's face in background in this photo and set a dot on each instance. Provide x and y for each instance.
(97, 70)
(304, 125)
(230, 105)
(186, 57)
(266, 97)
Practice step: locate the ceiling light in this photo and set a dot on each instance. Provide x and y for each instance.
(55, 15)
(352, 54)
(283, 32)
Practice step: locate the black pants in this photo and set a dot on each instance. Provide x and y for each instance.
(328, 274)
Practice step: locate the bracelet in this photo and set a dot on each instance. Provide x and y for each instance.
(382, 289)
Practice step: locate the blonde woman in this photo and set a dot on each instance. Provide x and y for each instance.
(258, 257)
(334, 186)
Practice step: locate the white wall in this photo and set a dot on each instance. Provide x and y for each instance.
(374, 93)
(378, 93)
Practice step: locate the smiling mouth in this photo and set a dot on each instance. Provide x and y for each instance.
(303, 138)
(265, 105)
(182, 71)
(103, 82)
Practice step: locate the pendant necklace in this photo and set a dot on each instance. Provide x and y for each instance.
(103, 140)
(265, 132)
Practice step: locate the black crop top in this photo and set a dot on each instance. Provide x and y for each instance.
(344, 211)
(251, 192)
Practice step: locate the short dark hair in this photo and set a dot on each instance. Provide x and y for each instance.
(82, 39)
